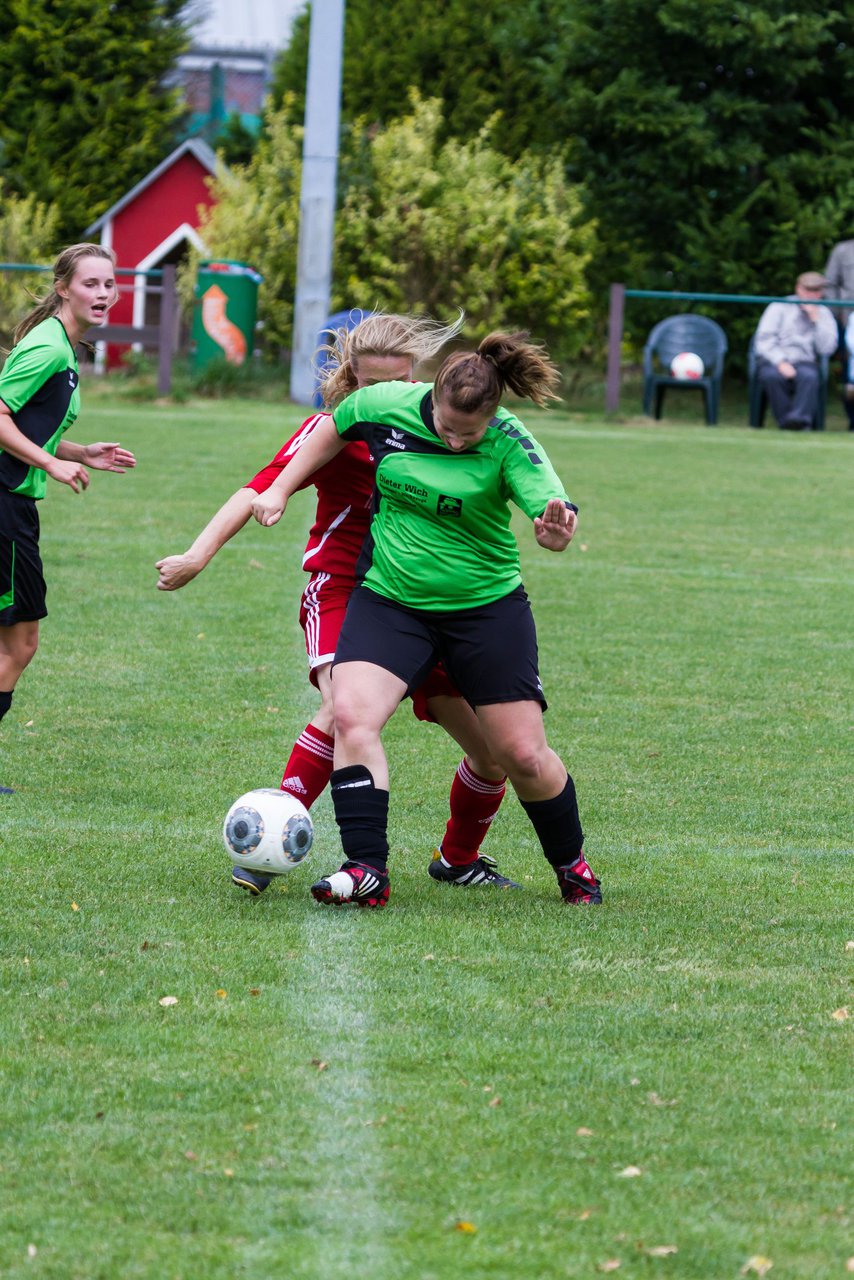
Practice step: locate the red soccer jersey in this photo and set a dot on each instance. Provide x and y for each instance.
(344, 490)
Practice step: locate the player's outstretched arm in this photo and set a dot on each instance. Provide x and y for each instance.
(177, 571)
(555, 527)
(100, 456)
(320, 447)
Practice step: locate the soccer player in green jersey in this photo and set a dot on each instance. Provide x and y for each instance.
(380, 348)
(440, 578)
(39, 401)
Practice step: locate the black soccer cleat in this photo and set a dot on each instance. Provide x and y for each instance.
(252, 881)
(355, 882)
(578, 885)
(480, 872)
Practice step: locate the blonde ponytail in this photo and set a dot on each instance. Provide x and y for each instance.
(419, 338)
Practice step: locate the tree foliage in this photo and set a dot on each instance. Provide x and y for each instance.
(435, 225)
(27, 235)
(84, 113)
(714, 141)
(478, 60)
(423, 225)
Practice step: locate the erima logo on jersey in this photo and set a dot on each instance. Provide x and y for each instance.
(72, 379)
(397, 435)
(395, 444)
(448, 506)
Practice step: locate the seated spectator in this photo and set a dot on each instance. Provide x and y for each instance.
(789, 341)
(848, 369)
(840, 276)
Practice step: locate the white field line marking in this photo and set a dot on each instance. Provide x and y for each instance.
(340, 1016)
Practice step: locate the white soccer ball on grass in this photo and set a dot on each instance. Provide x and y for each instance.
(268, 830)
(687, 366)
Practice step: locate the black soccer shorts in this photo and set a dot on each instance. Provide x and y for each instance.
(23, 590)
(490, 652)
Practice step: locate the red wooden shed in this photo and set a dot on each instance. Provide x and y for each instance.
(153, 224)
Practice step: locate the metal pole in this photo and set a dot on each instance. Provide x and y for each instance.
(317, 194)
(615, 344)
(168, 328)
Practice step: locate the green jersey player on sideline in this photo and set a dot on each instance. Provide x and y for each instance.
(39, 401)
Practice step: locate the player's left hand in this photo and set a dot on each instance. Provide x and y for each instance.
(176, 571)
(108, 457)
(555, 527)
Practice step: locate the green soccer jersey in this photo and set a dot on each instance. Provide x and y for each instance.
(39, 384)
(440, 536)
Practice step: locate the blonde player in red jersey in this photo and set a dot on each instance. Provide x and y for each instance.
(381, 348)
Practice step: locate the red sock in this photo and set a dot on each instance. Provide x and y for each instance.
(474, 803)
(310, 765)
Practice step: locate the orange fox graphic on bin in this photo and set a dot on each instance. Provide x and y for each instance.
(217, 325)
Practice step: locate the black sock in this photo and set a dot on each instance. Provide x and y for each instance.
(557, 825)
(5, 702)
(361, 811)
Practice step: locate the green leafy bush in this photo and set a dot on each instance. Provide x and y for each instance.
(423, 225)
(27, 235)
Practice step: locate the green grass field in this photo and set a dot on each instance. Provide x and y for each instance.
(468, 1084)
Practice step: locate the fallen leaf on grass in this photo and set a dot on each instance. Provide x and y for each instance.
(321, 1066)
(757, 1265)
(495, 1102)
(631, 1171)
(254, 991)
(611, 1264)
(222, 993)
(583, 1133)
(229, 1173)
(190, 1155)
(166, 1001)
(31, 1250)
(661, 1250)
(849, 1266)
(840, 1015)
(849, 946)
(584, 1215)
(255, 564)
(467, 1227)
(74, 906)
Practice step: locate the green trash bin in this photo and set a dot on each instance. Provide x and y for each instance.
(224, 313)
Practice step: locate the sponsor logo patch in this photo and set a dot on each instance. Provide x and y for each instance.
(296, 785)
(449, 506)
